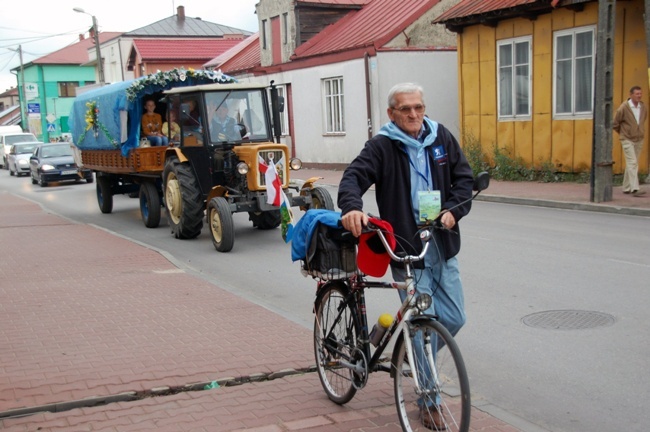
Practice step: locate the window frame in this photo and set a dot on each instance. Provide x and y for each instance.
(513, 65)
(264, 40)
(284, 115)
(574, 114)
(331, 125)
(285, 28)
(67, 87)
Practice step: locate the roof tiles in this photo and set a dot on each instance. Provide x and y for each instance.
(335, 2)
(468, 8)
(377, 23)
(243, 56)
(182, 49)
(187, 27)
(77, 53)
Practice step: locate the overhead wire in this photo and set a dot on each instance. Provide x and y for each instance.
(26, 40)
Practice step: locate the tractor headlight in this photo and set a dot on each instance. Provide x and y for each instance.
(423, 302)
(242, 168)
(295, 164)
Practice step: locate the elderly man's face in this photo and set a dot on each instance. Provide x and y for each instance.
(408, 113)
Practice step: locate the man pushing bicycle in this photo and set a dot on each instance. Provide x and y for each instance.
(419, 171)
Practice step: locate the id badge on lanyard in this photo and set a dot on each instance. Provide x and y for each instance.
(429, 205)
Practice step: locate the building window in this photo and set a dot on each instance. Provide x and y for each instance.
(333, 96)
(574, 71)
(68, 88)
(515, 72)
(285, 28)
(263, 34)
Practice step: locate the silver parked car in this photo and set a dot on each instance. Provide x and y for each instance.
(7, 139)
(18, 158)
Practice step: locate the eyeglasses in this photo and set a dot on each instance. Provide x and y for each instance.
(406, 110)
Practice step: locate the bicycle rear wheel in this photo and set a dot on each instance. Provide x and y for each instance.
(444, 392)
(335, 340)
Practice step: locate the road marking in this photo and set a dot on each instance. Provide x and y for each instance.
(629, 262)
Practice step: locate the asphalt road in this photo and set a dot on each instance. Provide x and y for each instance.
(516, 261)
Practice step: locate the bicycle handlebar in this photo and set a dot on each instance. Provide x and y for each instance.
(408, 258)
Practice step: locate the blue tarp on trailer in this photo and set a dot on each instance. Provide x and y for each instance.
(97, 118)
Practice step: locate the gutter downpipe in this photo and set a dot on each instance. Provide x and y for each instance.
(119, 48)
(366, 58)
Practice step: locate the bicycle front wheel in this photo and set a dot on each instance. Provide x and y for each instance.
(440, 397)
(335, 340)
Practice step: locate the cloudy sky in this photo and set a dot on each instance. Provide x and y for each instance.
(41, 26)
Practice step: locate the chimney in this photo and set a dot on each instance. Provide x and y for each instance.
(180, 11)
(81, 37)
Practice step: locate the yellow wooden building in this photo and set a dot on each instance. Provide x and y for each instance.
(527, 76)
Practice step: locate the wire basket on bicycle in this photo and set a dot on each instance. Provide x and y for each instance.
(322, 246)
(332, 253)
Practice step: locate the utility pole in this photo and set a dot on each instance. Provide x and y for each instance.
(23, 99)
(100, 62)
(646, 17)
(602, 160)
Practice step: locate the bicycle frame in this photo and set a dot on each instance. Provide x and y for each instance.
(400, 323)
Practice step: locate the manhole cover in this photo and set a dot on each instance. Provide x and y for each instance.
(568, 320)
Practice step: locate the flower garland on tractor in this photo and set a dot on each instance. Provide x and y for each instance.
(162, 79)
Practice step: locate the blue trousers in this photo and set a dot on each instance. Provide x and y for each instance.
(441, 280)
(157, 140)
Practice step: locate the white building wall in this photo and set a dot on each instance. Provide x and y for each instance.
(311, 142)
(115, 53)
(436, 72)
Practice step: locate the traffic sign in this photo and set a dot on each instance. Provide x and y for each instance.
(34, 110)
(51, 127)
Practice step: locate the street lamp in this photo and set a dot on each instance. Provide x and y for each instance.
(100, 63)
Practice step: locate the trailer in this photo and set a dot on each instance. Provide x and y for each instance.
(204, 172)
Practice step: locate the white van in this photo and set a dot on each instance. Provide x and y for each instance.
(7, 129)
(7, 139)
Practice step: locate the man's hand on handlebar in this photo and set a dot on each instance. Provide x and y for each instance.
(447, 219)
(354, 222)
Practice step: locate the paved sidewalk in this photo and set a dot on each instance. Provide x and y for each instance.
(102, 334)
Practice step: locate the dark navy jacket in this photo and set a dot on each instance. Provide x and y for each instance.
(384, 163)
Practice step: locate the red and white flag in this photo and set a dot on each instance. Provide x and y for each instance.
(276, 196)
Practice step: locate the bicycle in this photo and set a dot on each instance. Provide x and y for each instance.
(436, 379)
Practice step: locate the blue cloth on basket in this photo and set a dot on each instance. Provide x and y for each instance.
(302, 232)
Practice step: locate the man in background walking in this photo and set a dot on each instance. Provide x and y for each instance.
(629, 121)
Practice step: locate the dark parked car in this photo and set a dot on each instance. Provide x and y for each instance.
(18, 158)
(54, 163)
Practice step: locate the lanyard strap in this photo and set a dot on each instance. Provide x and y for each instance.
(425, 176)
